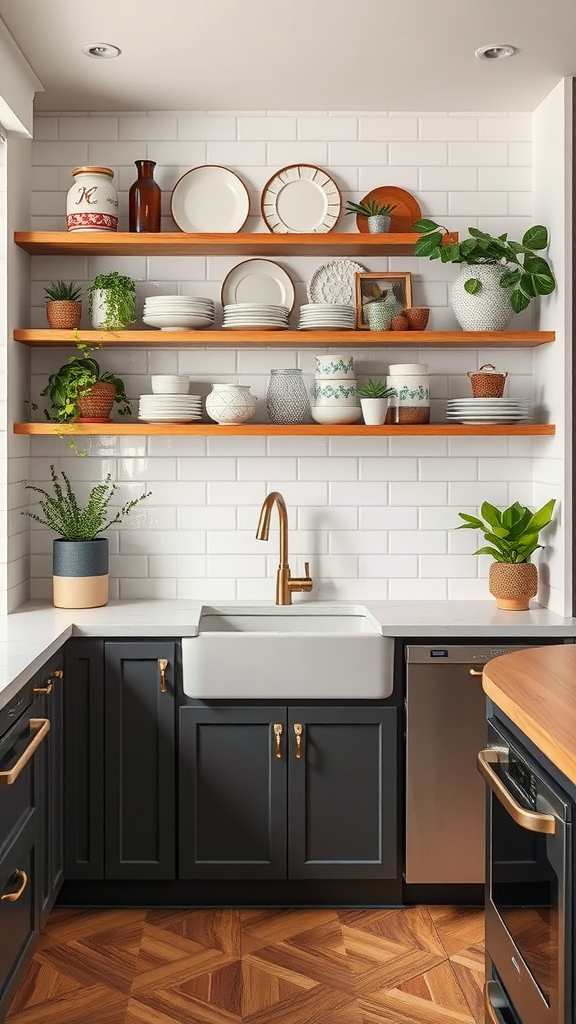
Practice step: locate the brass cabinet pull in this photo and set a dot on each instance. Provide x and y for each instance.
(162, 665)
(298, 730)
(278, 735)
(39, 729)
(476, 672)
(58, 673)
(44, 689)
(13, 896)
(533, 821)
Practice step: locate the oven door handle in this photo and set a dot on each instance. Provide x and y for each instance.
(494, 1002)
(533, 821)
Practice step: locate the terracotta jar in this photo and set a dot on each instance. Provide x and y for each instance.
(92, 201)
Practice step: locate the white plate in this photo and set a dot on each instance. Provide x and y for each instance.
(325, 414)
(301, 198)
(173, 322)
(210, 198)
(335, 283)
(169, 419)
(255, 327)
(260, 282)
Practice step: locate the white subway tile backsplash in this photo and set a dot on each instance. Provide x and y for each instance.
(303, 151)
(417, 542)
(388, 566)
(388, 469)
(328, 469)
(327, 518)
(451, 566)
(516, 128)
(205, 590)
(420, 154)
(265, 468)
(148, 589)
(360, 493)
(388, 518)
(265, 128)
(509, 179)
(358, 542)
(388, 129)
(203, 128)
(478, 154)
(327, 128)
(417, 590)
(240, 566)
(178, 566)
(448, 129)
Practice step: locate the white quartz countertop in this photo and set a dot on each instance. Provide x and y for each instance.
(36, 630)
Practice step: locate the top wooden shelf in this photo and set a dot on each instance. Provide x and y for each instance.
(178, 243)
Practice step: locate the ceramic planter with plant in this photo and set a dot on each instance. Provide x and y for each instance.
(512, 537)
(112, 302)
(377, 214)
(80, 391)
(374, 395)
(378, 306)
(63, 305)
(507, 275)
(79, 554)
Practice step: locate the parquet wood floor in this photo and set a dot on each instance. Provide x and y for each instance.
(419, 965)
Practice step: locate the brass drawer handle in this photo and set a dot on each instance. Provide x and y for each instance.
(278, 735)
(58, 673)
(533, 821)
(39, 728)
(475, 672)
(163, 665)
(298, 730)
(44, 689)
(11, 897)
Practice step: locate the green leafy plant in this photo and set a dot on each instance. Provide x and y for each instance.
(513, 534)
(74, 380)
(528, 275)
(63, 291)
(375, 389)
(371, 208)
(120, 305)
(63, 514)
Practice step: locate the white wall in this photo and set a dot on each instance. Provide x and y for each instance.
(375, 516)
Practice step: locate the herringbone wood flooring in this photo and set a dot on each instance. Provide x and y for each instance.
(420, 965)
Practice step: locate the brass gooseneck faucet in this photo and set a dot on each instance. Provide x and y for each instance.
(285, 584)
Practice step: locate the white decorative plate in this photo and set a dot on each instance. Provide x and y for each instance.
(301, 198)
(335, 282)
(258, 281)
(210, 198)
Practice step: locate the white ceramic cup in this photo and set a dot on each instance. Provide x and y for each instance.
(169, 384)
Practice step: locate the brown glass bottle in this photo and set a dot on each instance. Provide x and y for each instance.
(144, 199)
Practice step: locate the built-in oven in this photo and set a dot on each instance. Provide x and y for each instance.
(529, 887)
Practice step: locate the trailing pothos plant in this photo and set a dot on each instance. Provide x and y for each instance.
(527, 274)
(512, 534)
(75, 379)
(63, 514)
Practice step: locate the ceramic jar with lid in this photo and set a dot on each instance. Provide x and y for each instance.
(92, 201)
(411, 403)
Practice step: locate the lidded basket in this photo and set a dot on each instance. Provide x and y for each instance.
(487, 382)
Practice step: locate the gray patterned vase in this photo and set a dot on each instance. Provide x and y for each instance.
(379, 315)
(80, 573)
(287, 399)
(489, 309)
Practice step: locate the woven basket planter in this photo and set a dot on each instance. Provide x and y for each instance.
(513, 584)
(98, 404)
(63, 314)
(486, 382)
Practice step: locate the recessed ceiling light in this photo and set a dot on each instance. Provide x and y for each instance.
(101, 51)
(495, 51)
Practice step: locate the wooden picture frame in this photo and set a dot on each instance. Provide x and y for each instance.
(366, 285)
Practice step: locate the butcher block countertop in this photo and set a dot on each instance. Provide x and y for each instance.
(537, 690)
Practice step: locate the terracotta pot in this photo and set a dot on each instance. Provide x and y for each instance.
(98, 403)
(513, 584)
(417, 317)
(63, 314)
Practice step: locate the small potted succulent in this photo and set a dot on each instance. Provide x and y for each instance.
(374, 395)
(512, 537)
(377, 214)
(79, 554)
(80, 391)
(63, 305)
(112, 302)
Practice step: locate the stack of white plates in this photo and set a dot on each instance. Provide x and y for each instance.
(178, 312)
(326, 316)
(257, 316)
(488, 410)
(170, 408)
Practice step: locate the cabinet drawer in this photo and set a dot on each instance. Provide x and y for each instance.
(17, 914)
(17, 774)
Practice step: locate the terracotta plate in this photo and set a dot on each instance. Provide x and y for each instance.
(402, 218)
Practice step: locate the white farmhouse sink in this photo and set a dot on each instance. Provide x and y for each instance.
(306, 652)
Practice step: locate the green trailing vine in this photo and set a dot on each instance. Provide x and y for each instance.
(120, 304)
(75, 379)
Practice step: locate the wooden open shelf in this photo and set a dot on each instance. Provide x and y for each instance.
(178, 243)
(280, 339)
(301, 429)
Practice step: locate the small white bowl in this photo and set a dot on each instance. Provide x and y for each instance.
(335, 414)
(169, 384)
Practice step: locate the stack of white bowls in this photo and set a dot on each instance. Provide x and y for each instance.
(256, 316)
(170, 401)
(326, 316)
(334, 395)
(178, 312)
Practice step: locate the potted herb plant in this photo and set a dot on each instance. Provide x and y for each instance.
(374, 395)
(80, 391)
(377, 214)
(63, 305)
(512, 537)
(112, 302)
(80, 555)
(507, 275)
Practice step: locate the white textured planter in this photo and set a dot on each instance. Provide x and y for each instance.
(374, 411)
(489, 309)
(231, 403)
(100, 309)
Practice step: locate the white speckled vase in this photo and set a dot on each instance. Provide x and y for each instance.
(489, 309)
(286, 398)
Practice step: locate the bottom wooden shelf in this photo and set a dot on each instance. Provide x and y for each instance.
(271, 429)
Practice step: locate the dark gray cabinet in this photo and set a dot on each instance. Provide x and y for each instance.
(18, 909)
(298, 792)
(48, 688)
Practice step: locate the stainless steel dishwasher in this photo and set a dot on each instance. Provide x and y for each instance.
(445, 729)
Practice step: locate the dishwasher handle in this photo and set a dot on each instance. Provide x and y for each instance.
(533, 821)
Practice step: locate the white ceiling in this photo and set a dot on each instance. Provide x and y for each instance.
(294, 54)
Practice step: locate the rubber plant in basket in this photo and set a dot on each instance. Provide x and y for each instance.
(512, 537)
(80, 391)
(79, 554)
